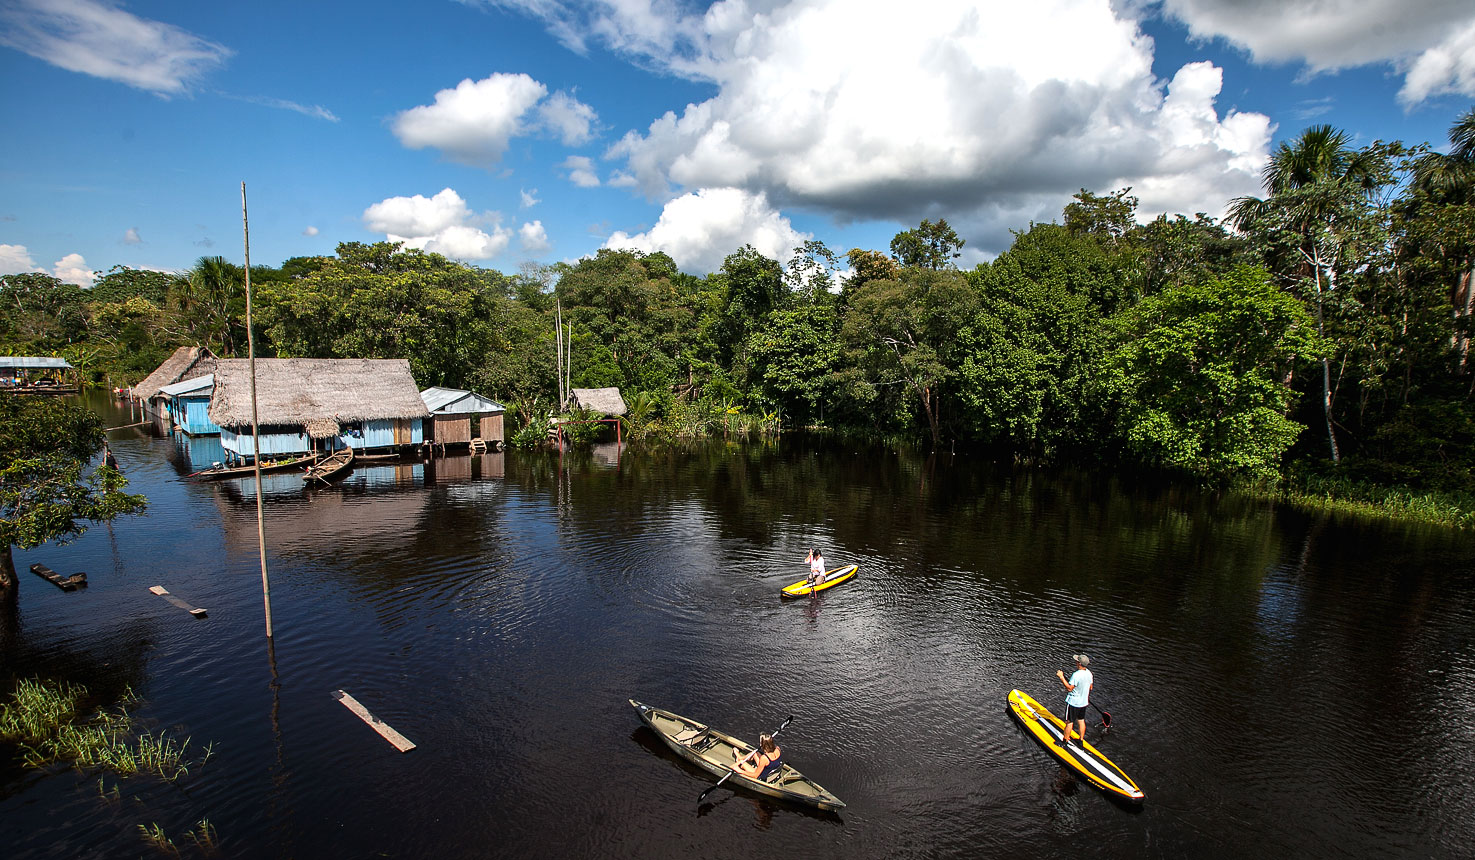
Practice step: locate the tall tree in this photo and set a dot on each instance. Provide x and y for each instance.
(928, 246)
(1441, 210)
(1317, 186)
(47, 492)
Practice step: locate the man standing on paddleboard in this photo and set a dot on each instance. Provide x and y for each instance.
(1077, 698)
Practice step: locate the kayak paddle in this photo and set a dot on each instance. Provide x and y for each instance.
(703, 795)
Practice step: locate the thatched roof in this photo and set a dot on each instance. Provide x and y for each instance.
(187, 362)
(317, 393)
(606, 400)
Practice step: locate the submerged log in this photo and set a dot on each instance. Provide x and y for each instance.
(65, 583)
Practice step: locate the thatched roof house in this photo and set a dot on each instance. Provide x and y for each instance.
(605, 400)
(320, 394)
(187, 362)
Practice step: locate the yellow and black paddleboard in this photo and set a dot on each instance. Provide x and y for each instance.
(1079, 756)
(832, 579)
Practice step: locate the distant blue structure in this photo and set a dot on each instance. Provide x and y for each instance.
(189, 405)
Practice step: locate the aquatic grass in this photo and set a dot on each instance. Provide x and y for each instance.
(1342, 495)
(204, 835)
(44, 721)
(155, 835)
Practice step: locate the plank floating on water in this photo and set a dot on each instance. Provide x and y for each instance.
(402, 743)
(65, 583)
(195, 611)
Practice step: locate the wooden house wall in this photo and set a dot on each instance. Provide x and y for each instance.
(491, 428)
(451, 429)
(275, 443)
(388, 433)
(191, 414)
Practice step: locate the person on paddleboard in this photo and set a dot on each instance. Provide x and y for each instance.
(816, 568)
(1078, 697)
(762, 762)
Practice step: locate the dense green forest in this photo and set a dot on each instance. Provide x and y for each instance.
(1318, 338)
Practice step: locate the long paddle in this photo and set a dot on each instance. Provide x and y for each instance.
(711, 788)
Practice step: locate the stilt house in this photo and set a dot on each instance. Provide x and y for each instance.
(187, 362)
(317, 404)
(453, 409)
(189, 405)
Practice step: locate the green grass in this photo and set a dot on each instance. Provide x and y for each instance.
(45, 721)
(1317, 492)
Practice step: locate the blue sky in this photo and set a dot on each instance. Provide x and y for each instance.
(502, 132)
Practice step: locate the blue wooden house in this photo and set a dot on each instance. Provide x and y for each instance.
(189, 405)
(317, 405)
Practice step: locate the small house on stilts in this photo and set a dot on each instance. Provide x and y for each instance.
(452, 410)
(309, 405)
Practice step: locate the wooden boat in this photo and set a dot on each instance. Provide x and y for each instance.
(335, 466)
(218, 471)
(1082, 758)
(712, 751)
(832, 579)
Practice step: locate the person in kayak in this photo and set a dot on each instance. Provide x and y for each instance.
(816, 568)
(761, 763)
(1077, 698)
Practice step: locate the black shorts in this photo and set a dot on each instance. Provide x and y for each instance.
(1073, 713)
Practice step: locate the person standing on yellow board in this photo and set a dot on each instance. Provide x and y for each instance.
(1078, 697)
(816, 568)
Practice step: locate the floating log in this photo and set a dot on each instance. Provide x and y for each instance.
(402, 743)
(160, 590)
(65, 583)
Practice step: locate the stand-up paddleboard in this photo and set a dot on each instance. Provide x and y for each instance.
(1082, 758)
(832, 579)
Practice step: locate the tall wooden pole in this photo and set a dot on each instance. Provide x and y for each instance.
(255, 424)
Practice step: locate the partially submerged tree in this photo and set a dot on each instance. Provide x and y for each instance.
(47, 491)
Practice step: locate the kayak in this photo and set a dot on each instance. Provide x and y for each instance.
(712, 751)
(832, 579)
(1082, 758)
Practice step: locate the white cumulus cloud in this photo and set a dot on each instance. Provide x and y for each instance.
(73, 269)
(15, 259)
(699, 229)
(443, 224)
(533, 237)
(987, 112)
(310, 230)
(131, 237)
(581, 171)
(100, 39)
(529, 197)
(474, 122)
(1431, 41)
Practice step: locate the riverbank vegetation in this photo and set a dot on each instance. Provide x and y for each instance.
(1314, 345)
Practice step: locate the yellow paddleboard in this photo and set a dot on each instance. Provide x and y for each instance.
(1079, 756)
(832, 579)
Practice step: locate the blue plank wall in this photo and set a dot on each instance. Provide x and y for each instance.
(277, 441)
(191, 414)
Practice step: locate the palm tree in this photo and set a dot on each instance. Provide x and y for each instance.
(214, 284)
(1449, 180)
(1310, 182)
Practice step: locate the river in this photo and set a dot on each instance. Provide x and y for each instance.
(1281, 684)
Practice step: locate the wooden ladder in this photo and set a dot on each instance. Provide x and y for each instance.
(478, 446)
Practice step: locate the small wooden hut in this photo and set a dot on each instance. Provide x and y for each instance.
(187, 362)
(606, 401)
(317, 404)
(189, 405)
(453, 410)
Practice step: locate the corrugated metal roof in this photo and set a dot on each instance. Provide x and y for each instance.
(29, 362)
(453, 401)
(189, 386)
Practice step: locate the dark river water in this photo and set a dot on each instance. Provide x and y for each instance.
(1281, 684)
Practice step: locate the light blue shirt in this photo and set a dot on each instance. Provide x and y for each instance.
(1081, 695)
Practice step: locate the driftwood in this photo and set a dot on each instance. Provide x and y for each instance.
(65, 583)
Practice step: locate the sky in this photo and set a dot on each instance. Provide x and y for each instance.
(508, 132)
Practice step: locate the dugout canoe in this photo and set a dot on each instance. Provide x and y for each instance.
(832, 579)
(712, 751)
(216, 473)
(335, 466)
(1082, 758)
